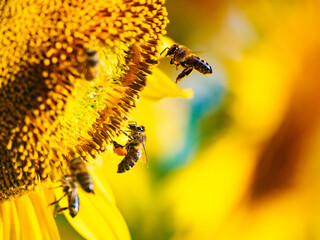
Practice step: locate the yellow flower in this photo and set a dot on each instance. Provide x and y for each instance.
(55, 107)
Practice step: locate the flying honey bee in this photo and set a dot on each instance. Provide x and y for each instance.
(181, 55)
(92, 67)
(70, 190)
(133, 149)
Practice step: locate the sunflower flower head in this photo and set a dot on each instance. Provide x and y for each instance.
(51, 112)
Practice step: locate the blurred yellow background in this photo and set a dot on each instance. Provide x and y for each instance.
(241, 159)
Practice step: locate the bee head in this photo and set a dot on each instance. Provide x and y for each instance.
(136, 127)
(172, 49)
(140, 128)
(91, 52)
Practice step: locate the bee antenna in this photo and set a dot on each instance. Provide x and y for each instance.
(55, 187)
(126, 134)
(164, 50)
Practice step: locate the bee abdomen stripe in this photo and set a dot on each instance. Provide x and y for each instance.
(85, 181)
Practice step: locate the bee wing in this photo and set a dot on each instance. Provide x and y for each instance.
(124, 132)
(96, 163)
(200, 53)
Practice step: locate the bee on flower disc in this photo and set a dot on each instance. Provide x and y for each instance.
(92, 67)
(133, 149)
(181, 55)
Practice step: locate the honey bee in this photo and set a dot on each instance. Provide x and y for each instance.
(78, 168)
(181, 55)
(133, 149)
(70, 190)
(92, 67)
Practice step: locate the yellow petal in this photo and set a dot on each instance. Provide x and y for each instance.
(1, 223)
(36, 221)
(44, 213)
(15, 231)
(98, 217)
(49, 197)
(161, 86)
(9, 221)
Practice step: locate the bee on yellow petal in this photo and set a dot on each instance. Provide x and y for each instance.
(70, 190)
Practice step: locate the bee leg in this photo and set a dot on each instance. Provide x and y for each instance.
(119, 149)
(127, 134)
(55, 202)
(185, 72)
(55, 187)
(117, 145)
(171, 61)
(59, 210)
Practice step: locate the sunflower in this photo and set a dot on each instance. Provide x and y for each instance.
(70, 74)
